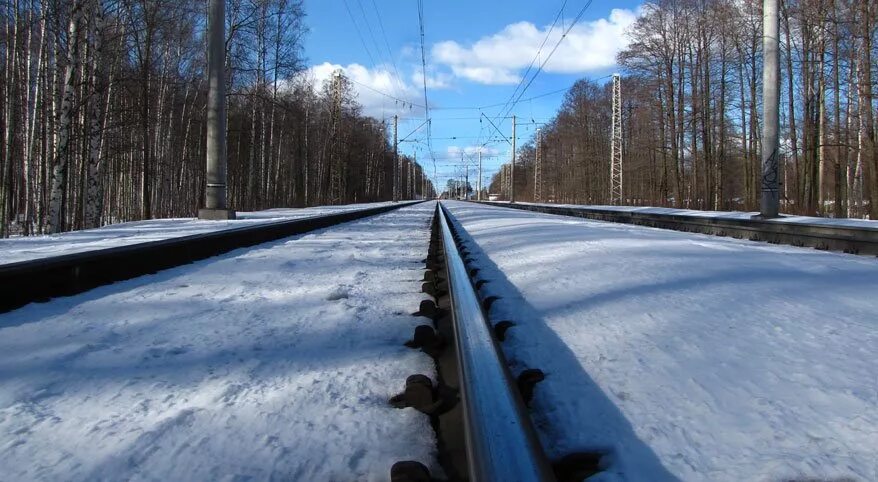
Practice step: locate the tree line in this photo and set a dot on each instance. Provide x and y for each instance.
(103, 115)
(691, 112)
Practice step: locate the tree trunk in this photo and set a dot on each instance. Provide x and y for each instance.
(65, 116)
(93, 177)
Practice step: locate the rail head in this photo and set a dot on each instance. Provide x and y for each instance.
(502, 444)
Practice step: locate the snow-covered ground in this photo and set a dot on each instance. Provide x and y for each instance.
(785, 218)
(688, 356)
(268, 363)
(33, 247)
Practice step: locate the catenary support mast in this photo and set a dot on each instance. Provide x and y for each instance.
(538, 169)
(770, 110)
(479, 182)
(512, 166)
(216, 193)
(395, 159)
(616, 144)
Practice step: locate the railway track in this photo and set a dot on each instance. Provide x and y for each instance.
(42, 279)
(848, 239)
(477, 405)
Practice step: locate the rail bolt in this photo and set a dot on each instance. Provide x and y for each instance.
(427, 340)
(419, 394)
(428, 309)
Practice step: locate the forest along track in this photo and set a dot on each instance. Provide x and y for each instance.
(476, 406)
(45, 278)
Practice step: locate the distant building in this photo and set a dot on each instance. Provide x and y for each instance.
(493, 197)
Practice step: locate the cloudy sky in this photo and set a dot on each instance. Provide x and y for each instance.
(477, 53)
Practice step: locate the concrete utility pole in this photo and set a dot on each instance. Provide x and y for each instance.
(770, 110)
(395, 159)
(462, 189)
(538, 169)
(335, 174)
(466, 183)
(616, 143)
(215, 196)
(479, 192)
(512, 166)
(411, 190)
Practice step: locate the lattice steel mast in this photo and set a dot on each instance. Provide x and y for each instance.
(616, 144)
(538, 169)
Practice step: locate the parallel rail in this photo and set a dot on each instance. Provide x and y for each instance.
(502, 444)
(854, 240)
(42, 279)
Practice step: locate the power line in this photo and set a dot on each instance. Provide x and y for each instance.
(359, 34)
(461, 138)
(386, 43)
(424, 80)
(548, 34)
(543, 64)
(539, 51)
(423, 57)
(460, 118)
(385, 94)
(397, 87)
(482, 107)
(496, 129)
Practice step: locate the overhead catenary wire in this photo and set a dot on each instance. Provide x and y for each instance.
(390, 58)
(536, 56)
(482, 107)
(548, 57)
(359, 33)
(397, 85)
(373, 89)
(416, 129)
(521, 89)
(424, 81)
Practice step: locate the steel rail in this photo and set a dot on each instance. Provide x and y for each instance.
(849, 239)
(501, 442)
(41, 279)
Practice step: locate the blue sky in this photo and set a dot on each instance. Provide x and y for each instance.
(477, 51)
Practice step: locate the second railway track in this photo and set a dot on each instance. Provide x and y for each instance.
(42, 279)
(815, 234)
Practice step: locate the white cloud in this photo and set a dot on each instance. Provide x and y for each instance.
(497, 59)
(454, 151)
(371, 85)
(438, 81)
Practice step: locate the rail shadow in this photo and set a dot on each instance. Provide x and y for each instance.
(569, 401)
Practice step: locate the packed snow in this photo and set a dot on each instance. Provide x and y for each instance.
(784, 219)
(687, 356)
(24, 248)
(268, 363)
